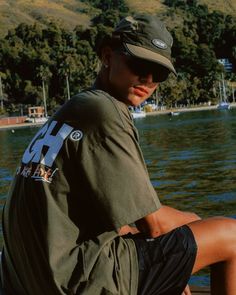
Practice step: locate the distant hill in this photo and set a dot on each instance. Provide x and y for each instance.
(75, 12)
(153, 6)
(68, 12)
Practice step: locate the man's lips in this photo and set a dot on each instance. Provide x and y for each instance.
(140, 91)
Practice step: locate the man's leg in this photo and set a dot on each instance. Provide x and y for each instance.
(216, 240)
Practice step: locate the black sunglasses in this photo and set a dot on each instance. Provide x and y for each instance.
(142, 67)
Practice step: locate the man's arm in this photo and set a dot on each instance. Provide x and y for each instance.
(160, 222)
(164, 220)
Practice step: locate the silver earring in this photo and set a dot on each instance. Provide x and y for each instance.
(106, 66)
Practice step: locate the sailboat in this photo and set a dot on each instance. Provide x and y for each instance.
(223, 104)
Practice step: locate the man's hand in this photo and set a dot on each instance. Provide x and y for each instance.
(126, 229)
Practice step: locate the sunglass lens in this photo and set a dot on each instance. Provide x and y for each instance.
(141, 68)
(160, 74)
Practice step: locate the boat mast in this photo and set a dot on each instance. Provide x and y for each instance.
(224, 90)
(220, 92)
(1, 93)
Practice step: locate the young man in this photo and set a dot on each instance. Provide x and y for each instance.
(83, 181)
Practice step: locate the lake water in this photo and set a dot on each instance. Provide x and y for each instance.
(191, 159)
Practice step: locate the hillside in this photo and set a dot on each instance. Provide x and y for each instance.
(226, 6)
(69, 12)
(75, 12)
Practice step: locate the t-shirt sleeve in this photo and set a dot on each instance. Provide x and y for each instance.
(115, 171)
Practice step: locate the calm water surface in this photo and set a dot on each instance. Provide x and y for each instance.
(191, 159)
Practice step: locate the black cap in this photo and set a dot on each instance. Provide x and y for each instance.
(146, 37)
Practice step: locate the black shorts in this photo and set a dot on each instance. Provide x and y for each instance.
(166, 262)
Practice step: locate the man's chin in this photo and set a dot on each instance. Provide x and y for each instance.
(135, 100)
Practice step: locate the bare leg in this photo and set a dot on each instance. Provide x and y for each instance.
(216, 240)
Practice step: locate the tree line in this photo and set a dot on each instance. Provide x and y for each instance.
(33, 57)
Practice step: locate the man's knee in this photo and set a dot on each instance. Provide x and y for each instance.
(232, 232)
(226, 228)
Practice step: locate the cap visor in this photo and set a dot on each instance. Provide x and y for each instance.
(149, 55)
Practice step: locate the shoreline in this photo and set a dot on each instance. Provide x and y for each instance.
(159, 112)
(15, 126)
(184, 110)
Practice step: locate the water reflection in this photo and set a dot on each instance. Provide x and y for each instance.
(12, 147)
(192, 160)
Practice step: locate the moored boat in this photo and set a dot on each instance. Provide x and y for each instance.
(224, 105)
(138, 114)
(174, 113)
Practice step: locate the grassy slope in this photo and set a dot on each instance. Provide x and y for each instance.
(73, 12)
(13, 12)
(226, 6)
(155, 6)
(151, 6)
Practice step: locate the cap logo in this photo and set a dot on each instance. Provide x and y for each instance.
(159, 43)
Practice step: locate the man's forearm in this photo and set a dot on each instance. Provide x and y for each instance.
(164, 220)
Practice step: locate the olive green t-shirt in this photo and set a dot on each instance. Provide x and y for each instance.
(81, 178)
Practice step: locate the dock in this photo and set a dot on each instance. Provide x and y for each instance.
(200, 290)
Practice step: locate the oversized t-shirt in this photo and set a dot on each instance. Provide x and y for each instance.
(81, 178)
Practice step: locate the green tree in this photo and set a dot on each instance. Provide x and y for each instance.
(44, 74)
(33, 94)
(67, 68)
(107, 18)
(200, 38)
(2, 75)
(172, 90)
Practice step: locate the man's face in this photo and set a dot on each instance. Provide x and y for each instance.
(130, 80)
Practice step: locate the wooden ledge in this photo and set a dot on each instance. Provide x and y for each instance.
(200, 290)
